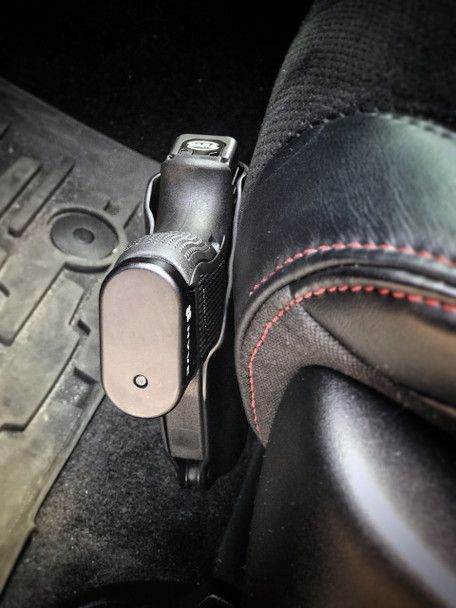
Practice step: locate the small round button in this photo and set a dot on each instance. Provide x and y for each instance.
(140, 381)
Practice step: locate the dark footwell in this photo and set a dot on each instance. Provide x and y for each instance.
(141, 73)
(116, 514)
(144, 72)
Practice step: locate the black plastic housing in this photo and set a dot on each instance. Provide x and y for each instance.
(162, 306)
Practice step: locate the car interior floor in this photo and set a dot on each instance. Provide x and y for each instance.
(140, 74)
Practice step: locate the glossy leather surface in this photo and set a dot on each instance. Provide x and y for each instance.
(364, 189)
(363, 513)
(412, 343)
(358, 217)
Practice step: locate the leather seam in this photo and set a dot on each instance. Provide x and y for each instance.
(422, 123)
(425, 125)
(398, 295)
(406, 250)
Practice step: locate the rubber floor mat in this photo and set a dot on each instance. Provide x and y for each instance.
(68, 202)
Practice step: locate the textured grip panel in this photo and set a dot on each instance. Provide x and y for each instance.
(211, 301)
(181, 249)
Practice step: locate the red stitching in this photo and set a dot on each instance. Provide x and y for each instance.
(405, 249)
(384, 291)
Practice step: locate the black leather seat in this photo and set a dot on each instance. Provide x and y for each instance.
(345, 299)
(346, 255)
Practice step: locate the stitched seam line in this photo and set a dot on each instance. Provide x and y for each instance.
(384, 291)
(415, 121)
(403, 249)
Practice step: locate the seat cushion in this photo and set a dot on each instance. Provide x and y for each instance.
(346, 254)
